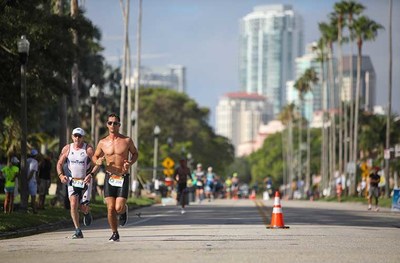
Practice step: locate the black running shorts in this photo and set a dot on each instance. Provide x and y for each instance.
(115, 191)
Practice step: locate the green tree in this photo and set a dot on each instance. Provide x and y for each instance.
(287, 117)
(351, 9)
(50, 59)
(329, 36)
(181, 119)
(365, 29)
(304, 85)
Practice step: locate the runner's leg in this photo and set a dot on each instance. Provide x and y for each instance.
(74, 201)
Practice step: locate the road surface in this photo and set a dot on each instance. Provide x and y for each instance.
(225, 231)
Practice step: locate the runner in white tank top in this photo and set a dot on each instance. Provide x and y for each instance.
(78, 177)
(78, 161)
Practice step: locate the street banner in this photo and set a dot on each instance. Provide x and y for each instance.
(386, 154)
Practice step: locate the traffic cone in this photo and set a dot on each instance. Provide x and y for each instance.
(277, 215)
(253, 195)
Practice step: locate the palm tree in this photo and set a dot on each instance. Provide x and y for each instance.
(125, 66)
(340, 12)
(365, 29)
(329, 34)
(303, 85)
(60, 191)
(75, 69)
(286, 117)
(389, 99)
(352, 8)
(320, 50)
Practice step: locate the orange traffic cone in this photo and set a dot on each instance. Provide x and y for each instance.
(277, 215)
(253, 195)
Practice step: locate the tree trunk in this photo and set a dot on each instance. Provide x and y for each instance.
(75, 120)
(61, 193)
(340, 101)
(137, 87)
(356, 109)
(122, 109)
(389, 111)
(332, 115)
(299, 167)
(291, 158)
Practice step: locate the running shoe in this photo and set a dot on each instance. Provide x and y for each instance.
(123, 218)
(114, 237)
(183, 211)
(78, 234)
(87, 219)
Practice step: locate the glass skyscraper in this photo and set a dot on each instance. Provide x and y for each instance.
(271, 38)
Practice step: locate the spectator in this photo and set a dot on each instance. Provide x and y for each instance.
(10, 173)
(32, 171)
(44, 179)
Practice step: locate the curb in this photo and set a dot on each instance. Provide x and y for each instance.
(36, 230)
(52, 226)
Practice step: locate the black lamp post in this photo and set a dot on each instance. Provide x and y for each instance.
(93, 92)
(23, 51)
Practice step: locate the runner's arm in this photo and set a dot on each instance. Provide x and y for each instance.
(98, 155)
(60, 163)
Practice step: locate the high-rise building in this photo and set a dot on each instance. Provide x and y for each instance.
(367, 82)
(313, 100)
(271, 38)
(170, 77)
(239, 116)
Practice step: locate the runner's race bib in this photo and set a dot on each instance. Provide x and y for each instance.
(116, 181)
(78, 183)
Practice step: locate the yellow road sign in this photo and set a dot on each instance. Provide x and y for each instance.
(169, 172)
(168, 163)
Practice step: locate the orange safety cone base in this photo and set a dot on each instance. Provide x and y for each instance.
(277, 227)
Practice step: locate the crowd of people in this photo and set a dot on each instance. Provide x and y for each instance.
(38, 173)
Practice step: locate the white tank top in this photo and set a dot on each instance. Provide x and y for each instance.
(78, 161)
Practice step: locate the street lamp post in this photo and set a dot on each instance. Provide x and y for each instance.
(156, 132)
(23, 51)
(93, 92)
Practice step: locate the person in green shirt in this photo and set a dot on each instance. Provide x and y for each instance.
(10, 173)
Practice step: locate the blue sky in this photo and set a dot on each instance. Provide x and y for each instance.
(203, 36)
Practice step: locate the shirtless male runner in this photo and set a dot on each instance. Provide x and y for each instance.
(113, 151)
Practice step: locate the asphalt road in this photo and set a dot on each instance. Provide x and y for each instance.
(225, 231)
